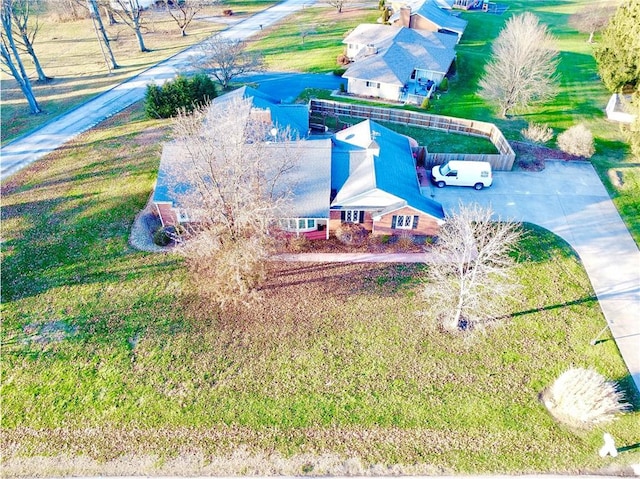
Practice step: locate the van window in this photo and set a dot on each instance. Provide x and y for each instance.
(444, 169)
(453, 173)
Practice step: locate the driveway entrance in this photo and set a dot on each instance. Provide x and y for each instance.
(569, 199)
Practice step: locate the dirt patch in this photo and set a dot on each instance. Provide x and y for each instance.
(48, 332)
(532, 157)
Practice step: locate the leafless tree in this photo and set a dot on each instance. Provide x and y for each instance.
(522, 68)
(183, 11)
(131, 12)
(25, 17)
(469, 275)
(306, 30)
(337, 4)
(592, 18)
(227, 58)
(10, 57)
(231, 180)
(101, 34)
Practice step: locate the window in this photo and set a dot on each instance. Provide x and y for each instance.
(182, 216)
(352, 216)
(404, 222)
(297, 224)
(373, 84)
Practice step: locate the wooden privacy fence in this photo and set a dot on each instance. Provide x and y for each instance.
(501, 161)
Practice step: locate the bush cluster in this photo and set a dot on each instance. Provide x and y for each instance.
(537, 133)
(181, 94)
(167, 235)
(351, 234)
(582, 398)
(577, 141)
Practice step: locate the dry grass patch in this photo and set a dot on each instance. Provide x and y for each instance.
(70, 53)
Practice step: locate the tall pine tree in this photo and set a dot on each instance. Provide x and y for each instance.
(618, 54)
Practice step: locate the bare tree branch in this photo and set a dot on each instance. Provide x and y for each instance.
(183, 11)
(232, 184)
(227, 59)
(132, 14)
(26, 25)
(522, 67)
(471, 265)
(10, 56)
(592, 18)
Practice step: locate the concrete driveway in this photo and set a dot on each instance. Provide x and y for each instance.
(569, 199)
(287, 86)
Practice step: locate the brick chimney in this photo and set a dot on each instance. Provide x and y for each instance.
(405, 16)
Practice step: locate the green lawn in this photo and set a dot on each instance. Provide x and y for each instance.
(110, 358)
(111, 363)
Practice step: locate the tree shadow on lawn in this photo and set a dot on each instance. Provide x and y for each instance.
(69, 241)
(348, 278)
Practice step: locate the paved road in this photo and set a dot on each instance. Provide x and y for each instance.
(27, 149)
(570, 200)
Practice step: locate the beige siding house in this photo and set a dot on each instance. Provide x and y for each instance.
(388, 61)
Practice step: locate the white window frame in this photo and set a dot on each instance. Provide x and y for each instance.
(373, 84)
(404, 222)
(352, 216)
(182, 215)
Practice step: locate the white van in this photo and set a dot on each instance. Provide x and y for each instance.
(462, 173)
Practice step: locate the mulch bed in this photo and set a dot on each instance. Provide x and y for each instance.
(531, 157)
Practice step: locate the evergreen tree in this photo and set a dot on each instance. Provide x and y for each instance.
(181, 94)
(618, 54)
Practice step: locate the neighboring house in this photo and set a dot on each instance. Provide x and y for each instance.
(366, 174)
(428, 16)
(373, 175)
(469, 4)
(617, 109)
(390, 62)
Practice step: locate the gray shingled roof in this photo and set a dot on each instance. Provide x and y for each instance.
(431, 10)
(384, 178)
(399, 54)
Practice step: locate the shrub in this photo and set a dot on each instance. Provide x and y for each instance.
(351, 234)
(444, 84)
(405, 240)
(342, 59)
(582, 398)
(425, 104)
(537, 133)
(177, 95)
(166, 235)
(227, 12)
(577, 141)
(297, 244)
